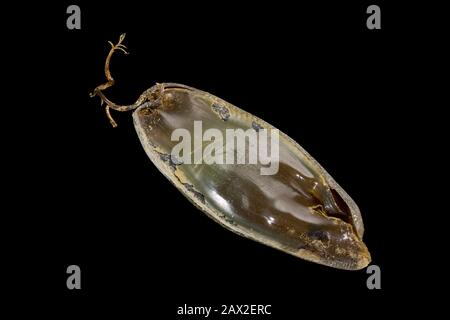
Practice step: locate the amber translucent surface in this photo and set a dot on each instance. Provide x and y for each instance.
(295, 210)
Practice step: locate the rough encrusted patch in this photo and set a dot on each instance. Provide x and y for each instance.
(171, 160)
(256, 126)
(196, 194)
(222, 111)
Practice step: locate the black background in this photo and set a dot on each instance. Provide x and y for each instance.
(87, 194)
